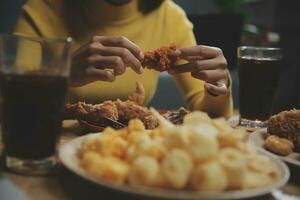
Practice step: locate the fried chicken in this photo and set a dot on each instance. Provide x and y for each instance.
(160, 59)
(118, 110)
(93, 113)
(139, 95)
(286, 124)
(130, 110)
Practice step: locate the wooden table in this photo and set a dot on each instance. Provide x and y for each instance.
(63, 185)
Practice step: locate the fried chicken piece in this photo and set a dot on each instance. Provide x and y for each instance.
(139, 95)
(279, 145)
(160, 59)
(130, 110)
(286, 124)
(93, 113)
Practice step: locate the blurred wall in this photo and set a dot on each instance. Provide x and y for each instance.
(9, 11)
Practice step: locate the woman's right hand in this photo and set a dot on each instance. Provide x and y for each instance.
(103, 58)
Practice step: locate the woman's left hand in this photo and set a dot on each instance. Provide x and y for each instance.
(205, 63)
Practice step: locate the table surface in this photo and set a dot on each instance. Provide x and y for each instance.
(63, 185)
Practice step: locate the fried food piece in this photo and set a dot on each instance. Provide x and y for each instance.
(107, 168)
(286, 124)
(160, 59)
(139, 95)
(279, 145)
(93, 113)
(177, 168)
(143, 171)
(115, 110)
(130, 110)
(209, 177)
(234, 164)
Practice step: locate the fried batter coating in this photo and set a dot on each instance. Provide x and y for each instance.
(115, 110)
(160, 59)
(93, 113)
(279, 145)
(139, 95)
(130, 110)
(286, 124)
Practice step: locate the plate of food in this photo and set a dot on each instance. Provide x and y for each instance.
(281, 137)
(203, 158)
(116, 114)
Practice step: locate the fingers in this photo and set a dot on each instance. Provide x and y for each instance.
(95, 74)
(88, 75)
(200, 50)
(197, 65)
(211, 76)
(112, 62)
(216, 90)
(120, 42)
(126, 56)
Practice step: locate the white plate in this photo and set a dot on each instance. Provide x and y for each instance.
(68, 155)
(258, 139)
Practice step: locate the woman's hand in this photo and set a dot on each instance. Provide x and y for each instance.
(103, 58)
(205, 63)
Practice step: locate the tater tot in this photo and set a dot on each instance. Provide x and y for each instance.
(222, 125)
(203, 154)
(209, 177)
(177, 137)
(118, 147)
(88, 144)
(89, 157)
(109, 131)
(136, 125)
(231, 139)
(107, 168)
(177, 167)
(235, 166)
(203, 147)
(196, 117)
(144, 170)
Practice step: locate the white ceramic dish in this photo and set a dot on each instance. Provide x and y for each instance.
(258, 139)
(68, 155)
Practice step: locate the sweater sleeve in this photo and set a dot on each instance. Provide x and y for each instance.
(191, 88)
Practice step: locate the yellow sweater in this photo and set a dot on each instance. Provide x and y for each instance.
(165, 25)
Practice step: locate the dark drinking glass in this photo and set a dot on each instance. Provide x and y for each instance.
(258, 73)
(33, 84)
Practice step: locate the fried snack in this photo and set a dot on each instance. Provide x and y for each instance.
(222, 125)
(143, 171)
(139, 95)
(116, 110)
(177, 137)
(234, 164)
(130, 110)
(209, 177)
(194, 156)
(279, 145)
(107, 168)
(203, 147)
(177, 167)
(160, 59)
(196, 117)
(93, 113)
(286, 124)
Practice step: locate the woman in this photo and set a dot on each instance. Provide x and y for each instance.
(113, 34)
